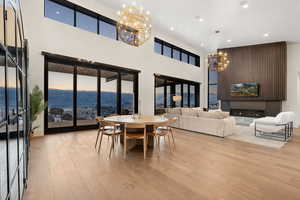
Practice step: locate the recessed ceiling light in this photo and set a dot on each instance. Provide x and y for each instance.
(244, 4)
(202, 45)
(228, 40)
(199, 19)
(172, 28)
(266, 35)
(123, 5)
(57, 12)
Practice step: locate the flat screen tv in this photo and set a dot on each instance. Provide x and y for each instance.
(245, 90)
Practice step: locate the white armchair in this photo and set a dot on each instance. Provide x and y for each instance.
(280, 127)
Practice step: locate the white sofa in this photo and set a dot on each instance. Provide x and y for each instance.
(215, 123)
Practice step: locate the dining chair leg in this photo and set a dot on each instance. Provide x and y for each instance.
(125, 148)
(145, 147)
(108, 138)
(112, 145)
(97, 138)
(100, 142)
(157, 144)
(158, 140)
(173, 138)
(169, 141)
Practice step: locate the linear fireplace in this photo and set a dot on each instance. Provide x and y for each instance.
(247, 113)
(252, 108)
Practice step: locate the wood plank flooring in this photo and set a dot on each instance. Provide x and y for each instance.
(66, 167)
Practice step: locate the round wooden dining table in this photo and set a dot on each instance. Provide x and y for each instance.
(148, 120)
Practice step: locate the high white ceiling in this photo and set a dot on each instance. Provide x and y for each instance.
(243, 26)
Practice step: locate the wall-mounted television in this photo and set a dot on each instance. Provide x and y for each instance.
(245, 90)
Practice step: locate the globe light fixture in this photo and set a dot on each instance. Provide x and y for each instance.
(218, 61)
(134, 25)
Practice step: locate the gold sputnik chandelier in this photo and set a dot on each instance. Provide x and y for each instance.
(134, 25)
(218, 61)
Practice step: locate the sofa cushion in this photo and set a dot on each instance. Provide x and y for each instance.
(174, 111)
(189, 112)
(224, 114)
(198, 108)
(212, 115)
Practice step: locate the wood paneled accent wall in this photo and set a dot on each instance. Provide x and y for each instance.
(265, 64)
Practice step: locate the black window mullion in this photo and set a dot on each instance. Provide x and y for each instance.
(18, 130)
(98, 93)
(7, 122)
(117, 32)
(189, 93)
(46, 75)
(197, 95)
(75, 97)
(165, 94)
(182, 95)
(180, 54)
(75, 13)
(119, 90)
(173, 93)
(98, 26)
(162, 48)
(136, 93)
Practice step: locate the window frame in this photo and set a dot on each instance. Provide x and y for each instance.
(176, 81)
(90, 13)
(75, 62)
(208, 88)
(181, 50)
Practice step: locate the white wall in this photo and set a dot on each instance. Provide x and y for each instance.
(45, 34)
(293, 81)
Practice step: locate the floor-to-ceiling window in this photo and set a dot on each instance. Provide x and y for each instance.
(60, 95)
(159, 93)
(178, 93)
(77, 92)
(109, 90)
(185, 95)
(14, 110)
(213, 90)
(166, 88)
(87, 81)
(127, 89)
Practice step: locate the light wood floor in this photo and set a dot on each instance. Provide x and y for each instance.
(66, 167)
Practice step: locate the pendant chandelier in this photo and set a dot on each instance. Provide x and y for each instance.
(218, 61)
(134, 25)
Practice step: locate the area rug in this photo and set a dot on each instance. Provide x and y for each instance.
(246, 134)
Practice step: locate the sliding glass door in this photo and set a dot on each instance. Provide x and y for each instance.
(187, 93)
(109, 84)
(127, 93)
(60, 95)
(87, 81)
(77, 92)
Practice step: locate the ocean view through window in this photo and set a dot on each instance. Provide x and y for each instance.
(79, 92)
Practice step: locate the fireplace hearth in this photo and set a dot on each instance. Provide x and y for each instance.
(247, 113)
